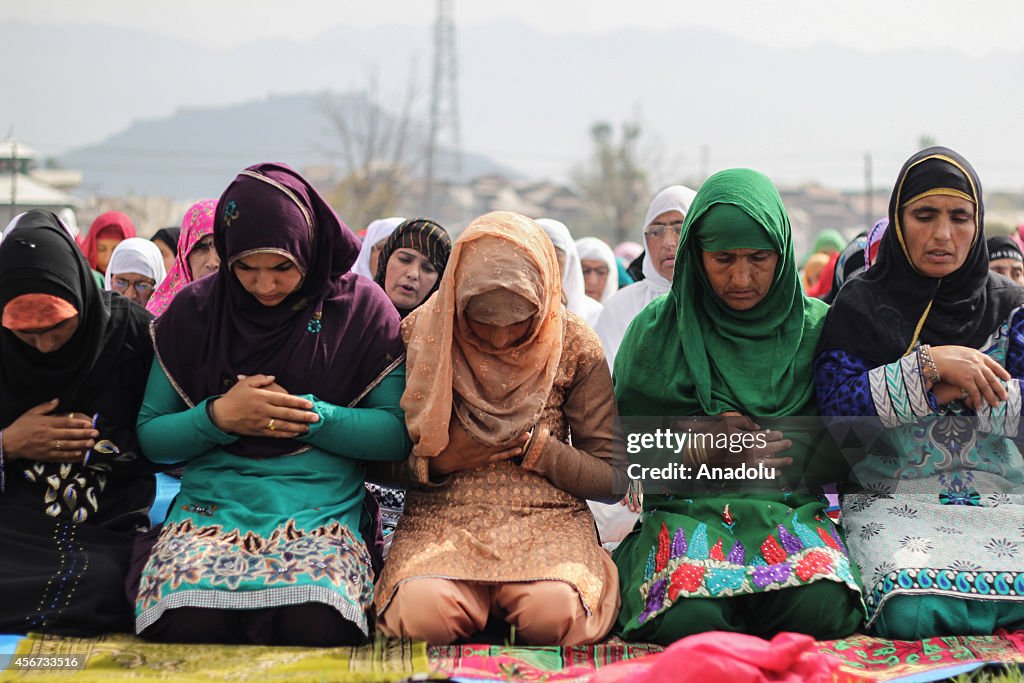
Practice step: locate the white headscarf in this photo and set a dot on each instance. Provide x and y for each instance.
(378, 230)
(673, 198)
(69, 220)
(620, 310)
(576, 299)
(597, 250)
(136, 255)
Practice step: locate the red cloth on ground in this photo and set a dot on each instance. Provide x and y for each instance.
(734, 657)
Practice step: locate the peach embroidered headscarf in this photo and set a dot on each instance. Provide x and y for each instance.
(495, 394)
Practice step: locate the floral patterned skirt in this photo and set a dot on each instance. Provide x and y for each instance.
(205, 566)
(248, 534)
(963, 540)
(725, 547)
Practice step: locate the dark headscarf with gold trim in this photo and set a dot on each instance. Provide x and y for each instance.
(332, 337)
(884, 313)
(426, 237)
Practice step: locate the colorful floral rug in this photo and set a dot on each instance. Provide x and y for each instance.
(875, 659)
(862, 659)
(542, 664)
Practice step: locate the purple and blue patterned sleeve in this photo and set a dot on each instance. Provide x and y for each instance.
(1004, 419)
(847, 386)
(1015, 347)
(895, 393)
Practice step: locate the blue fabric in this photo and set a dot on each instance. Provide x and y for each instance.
(1015, 347)
(938, 674)
(625, 279)
(167, 488)
(8, 643)
(841, 379)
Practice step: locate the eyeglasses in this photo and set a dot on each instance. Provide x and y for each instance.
(657, 230)
(142, 288)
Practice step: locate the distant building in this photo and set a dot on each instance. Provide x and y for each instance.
(24, 187)
(813, 207)
(459, 204)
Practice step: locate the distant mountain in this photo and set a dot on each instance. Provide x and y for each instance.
(529, 97)
(196, 151)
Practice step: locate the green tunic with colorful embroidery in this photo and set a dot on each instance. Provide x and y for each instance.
(249, 533)
(740, 561)
(734, 545)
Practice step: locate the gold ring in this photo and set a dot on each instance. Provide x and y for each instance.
(56, 444)
(270, 425)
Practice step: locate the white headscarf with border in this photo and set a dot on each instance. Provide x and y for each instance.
(620, 310)
(377, 231)
(591, 248)
(576, 299)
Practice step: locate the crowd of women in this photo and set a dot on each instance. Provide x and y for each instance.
(415, 436)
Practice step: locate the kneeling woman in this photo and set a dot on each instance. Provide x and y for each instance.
(497, 524)
(737, 336)
(929, 345)
(74, 489)
(276, 376)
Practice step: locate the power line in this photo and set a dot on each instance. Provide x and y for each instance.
(444, 99)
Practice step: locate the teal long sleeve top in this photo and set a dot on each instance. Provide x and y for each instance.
(316, 487)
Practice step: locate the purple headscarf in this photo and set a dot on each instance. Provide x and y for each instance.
(335, 336)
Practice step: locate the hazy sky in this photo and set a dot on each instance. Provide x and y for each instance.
(977, 120)
(975, 28)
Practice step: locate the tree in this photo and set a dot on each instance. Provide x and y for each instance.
(379, 150)
(613, 183)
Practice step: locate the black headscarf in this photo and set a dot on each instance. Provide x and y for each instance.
(39, 257)
(168, 236)
(876, 315)
(1003, 246)
(426, 237)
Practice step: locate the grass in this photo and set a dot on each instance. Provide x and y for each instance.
(992, 675)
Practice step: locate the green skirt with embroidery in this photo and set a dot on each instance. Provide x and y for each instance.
(726, 547)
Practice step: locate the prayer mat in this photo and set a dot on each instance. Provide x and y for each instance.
(866, 659)
(542, 664)
(862, 659)
(122, 658)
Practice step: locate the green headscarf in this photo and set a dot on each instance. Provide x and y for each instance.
(829, 241)
(689, 353)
